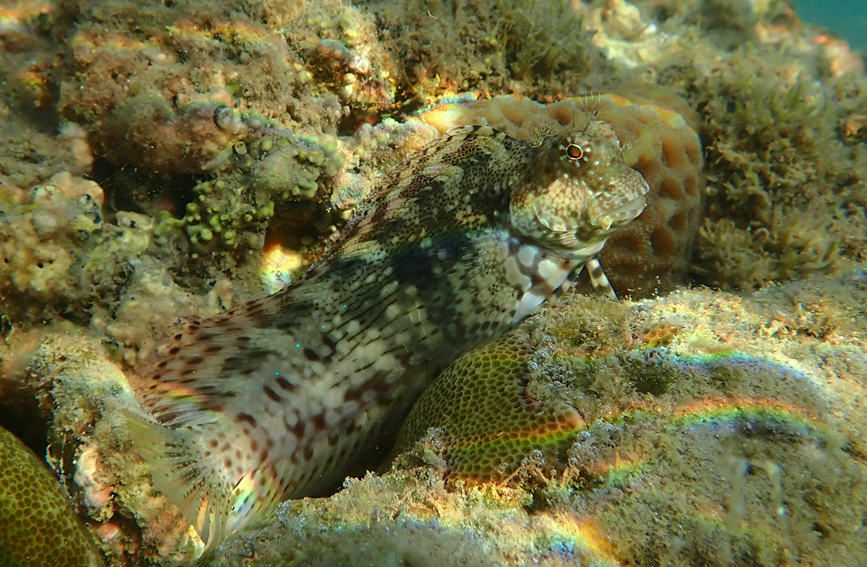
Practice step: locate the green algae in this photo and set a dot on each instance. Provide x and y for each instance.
(501, 41)
(787, 196)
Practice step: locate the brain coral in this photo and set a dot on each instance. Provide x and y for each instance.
(37, 526)
(651, 254)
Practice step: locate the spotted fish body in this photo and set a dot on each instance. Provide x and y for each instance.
(277, 398)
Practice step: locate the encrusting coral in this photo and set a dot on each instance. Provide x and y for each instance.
(485, 422)
(37, 524)
(622, 412)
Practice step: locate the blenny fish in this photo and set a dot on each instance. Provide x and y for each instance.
(468, 236)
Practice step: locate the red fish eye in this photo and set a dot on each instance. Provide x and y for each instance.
(574, 151)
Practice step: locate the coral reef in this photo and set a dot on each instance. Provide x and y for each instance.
(557, 379)
(330, 533)
(37, 525)
(206, 118)
(273, 171)
(371, 520)
(175, 159)
(78, 383)
(150, 86)
(51, 243)
(704, 428)
(59, 256)
(250, 98)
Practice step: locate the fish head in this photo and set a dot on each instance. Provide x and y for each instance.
(580, 190)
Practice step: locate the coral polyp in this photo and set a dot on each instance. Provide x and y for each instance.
(37, 525)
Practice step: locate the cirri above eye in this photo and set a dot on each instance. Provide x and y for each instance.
(574, 152)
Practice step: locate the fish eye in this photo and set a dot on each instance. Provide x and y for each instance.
(574, 152)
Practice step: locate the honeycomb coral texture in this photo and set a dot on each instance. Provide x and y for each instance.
(37, 526)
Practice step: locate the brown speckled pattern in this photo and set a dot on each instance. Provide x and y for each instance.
(278, 398)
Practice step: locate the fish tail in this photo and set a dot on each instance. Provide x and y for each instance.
(200, 489)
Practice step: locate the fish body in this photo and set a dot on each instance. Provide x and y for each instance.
(278, 398)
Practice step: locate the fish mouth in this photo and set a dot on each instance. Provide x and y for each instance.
(621, 203)
(622, 214)
(605, 221)
(598, 224)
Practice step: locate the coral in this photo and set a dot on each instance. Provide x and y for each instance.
(485, 420)
(59, 255)
(60, 258)
(30, 156)
(652, 253)
(80, 388)
(44, 234)
(37, 525)
(272, 171)
(372, 520)
(482, 412)
(655, 253)
(379, 541)
(148, 89)
(720, 449)
(250, 99)
(169, 107)
(702, 440)
(718, 421)
(34, 145)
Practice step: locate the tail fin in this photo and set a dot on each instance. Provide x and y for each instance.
(200, 489)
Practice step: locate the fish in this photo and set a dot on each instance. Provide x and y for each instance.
(279, 398)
